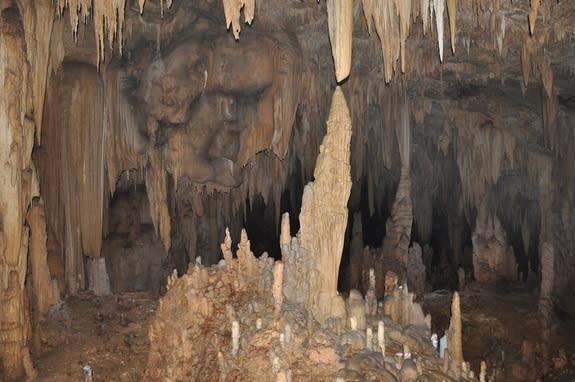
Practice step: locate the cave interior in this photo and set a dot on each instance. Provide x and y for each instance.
(283, 189)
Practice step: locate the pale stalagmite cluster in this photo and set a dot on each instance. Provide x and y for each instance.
(261, 320)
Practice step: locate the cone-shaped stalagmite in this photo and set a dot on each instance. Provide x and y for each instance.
(340, 20)
(41, 280)
(398, 225)
(455, 356)
(323, 215)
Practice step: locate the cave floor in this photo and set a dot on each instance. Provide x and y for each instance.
(496, 319)
(109, 333)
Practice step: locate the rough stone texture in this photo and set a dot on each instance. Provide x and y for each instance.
(41, 279)
(400, 307)
(492, 257)
(356, 308)
(340, 21)
(97, 274)
(15, 189)
(493, 121)
(416, 271)
(356, 266)
(546, 291)
(454, 341)
(191, 336)
(323, 216)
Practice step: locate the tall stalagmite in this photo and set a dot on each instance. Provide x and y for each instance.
(455, 356)
(323, 215)
(41, 280)
(398, 226)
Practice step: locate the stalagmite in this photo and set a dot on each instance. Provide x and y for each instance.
(41, 280)
(369, 339)
(278, 285)
(323, 215)
(356, 309)
(340, 21)
(416, 270)
(483, 372)
(454, 349)
(381, 337)
(546, 291)
(235, 337)
(399, 224)
(493, 258)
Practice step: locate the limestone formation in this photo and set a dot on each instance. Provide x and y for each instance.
(324, 212)
(546, 291)
(278, 285)
(340, 20)
(107, 96)
(356, 309)
(97, 274)
(15, 190)
(416, 270)
(355, 254)
(398, 225)
(492, 257)
(41, 279)
(454, 346)
(400, 307)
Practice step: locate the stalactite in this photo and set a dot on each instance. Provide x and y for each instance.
(533, 14)
(340, 21)
(526, 60)
(108, 18)
(125, 145)
(481, 149)
(452, 12)
(439, 9)
(156, 188)
(550, 106)
(232, 10)
(425, 14)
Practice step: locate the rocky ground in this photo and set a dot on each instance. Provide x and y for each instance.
(111, 335)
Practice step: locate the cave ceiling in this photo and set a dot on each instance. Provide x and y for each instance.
(213, 104)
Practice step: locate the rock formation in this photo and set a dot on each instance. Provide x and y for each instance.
(546, 291)
(324, 213)
(492, 257)
(398, 226)
(155, 96)
(416, 270)
(454, 344)
(41, 278)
